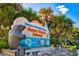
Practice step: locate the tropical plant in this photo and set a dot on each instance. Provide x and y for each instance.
(47, 16)
(27, 13)
(64, 26)
(61, 27)
(7, 16)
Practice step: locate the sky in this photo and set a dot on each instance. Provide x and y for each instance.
(71, 10)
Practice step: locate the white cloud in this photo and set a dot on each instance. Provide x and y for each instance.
(62, 9)
(60, 6)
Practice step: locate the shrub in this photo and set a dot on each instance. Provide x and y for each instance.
(4, 45)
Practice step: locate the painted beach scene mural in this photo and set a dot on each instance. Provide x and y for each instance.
(39, 29)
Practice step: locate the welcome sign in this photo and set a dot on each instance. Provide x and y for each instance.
(36, 35)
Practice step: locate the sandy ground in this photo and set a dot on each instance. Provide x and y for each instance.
(2, 54)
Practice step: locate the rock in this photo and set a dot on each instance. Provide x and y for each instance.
(58, 52)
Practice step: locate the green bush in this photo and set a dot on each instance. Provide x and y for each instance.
(4, 45)
(71, 47)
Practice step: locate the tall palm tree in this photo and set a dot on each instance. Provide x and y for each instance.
(48, 16)
(64, 24)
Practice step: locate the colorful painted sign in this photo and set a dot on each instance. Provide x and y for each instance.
(36, 34)
(33, 42)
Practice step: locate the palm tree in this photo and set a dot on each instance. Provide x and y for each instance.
(58, 24)
(64, 25)
(7, 12)
(28, 13)
(47, 16)
(8, 15)
(47, 13)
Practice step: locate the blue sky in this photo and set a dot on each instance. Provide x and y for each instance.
(73, 8)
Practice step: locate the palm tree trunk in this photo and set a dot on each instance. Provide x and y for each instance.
(55, 38)
(61, 39)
